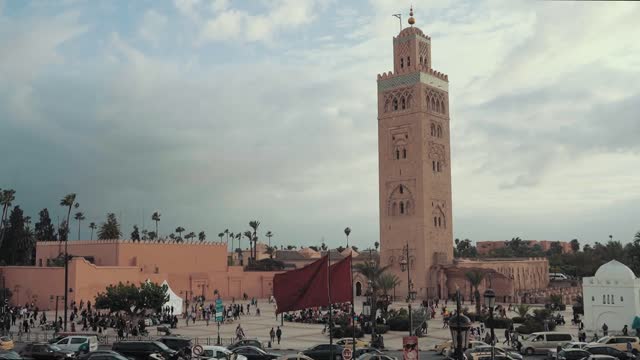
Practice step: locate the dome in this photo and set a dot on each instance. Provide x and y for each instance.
(614, 270)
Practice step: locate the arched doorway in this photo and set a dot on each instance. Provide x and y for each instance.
(358, 288)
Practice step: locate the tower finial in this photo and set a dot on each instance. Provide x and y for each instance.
(411, 19)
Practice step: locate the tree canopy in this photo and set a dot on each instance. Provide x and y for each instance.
(131, 299)
(109, 229)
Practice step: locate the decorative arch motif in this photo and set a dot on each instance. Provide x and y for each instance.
(398, 100)
(401, 202)
(436, 101)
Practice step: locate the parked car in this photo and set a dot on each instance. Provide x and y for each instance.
(246, 342)
(620, 342)
(373, 356)
(75, 342)
(44, 351)
(347, 342)
(9, 355)
(601, 357)
(61, 335)
(6, 343)
(298, 356)
(254, 353)
(552, 353)
(180, 344)
(572, 354)
(542, 342)
(218, 352)
(607, 350)
(101, 353)
(323, 352)
(498, 351)
(140, 350)
(366, 350)
(487, 356)
(443, 347)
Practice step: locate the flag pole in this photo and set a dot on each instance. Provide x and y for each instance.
(330, 304)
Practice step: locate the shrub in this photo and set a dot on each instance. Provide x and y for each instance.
(517, 320)
(499, 323)
(380, 329)
(399, 323)
(341, 332)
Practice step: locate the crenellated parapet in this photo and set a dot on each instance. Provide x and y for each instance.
(136, 242)
(410, 69)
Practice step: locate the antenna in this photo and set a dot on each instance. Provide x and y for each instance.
(399, 16)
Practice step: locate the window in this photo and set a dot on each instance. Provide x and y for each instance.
(621, 299)
(593, 299)
(435, 221)
(408, 60)
(433, 130)
(438, 166)
(404, 153)
(395, 104)
(401, 189)
(604, 299)
(433, 163)
(420, 59)
(401, 207)
(439, 132)
(401, 62)
(40, 262)
(397, 154)
(439, 223)
(403, 103)
(613, 302)
(78, 340)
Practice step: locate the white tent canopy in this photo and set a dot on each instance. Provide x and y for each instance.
(174, 300)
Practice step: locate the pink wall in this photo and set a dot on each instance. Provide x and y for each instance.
(35, 284)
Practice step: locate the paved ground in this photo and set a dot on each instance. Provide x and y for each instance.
(297, 336)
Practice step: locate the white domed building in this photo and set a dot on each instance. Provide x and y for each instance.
(611, 297)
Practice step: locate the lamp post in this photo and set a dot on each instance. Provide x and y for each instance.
(372, 312)
(406, 266)
(459, 325)
(490, 301)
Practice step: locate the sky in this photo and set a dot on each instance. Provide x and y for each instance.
(219, 112)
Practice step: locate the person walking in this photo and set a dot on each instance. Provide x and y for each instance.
(605, 329)
(625, 330)
(279, 334)
(239, 333)
(272, 335)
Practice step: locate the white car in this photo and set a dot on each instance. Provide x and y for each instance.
(74, 342)
(218, 352)
(298, 356)
(553, 353)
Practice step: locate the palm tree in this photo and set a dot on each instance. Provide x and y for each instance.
(347, 231)
(475, 278)
(180, 230)
(202, 236)
(372, 271)
(232, 236)
(190, 236)
(254, 225)
(221, 235)
(387, 282)
(92, 226)
(269, 234)
(249, 235)
(156, 217)
(522, 310)
(6, 197)
(69, 201)
(79, 216)
(238, 237)
(226, 231)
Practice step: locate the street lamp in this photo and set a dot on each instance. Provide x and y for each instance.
(490, 301)
(372, 316)
(459, 325)
(405, 266)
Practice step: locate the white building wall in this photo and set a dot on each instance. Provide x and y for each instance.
(621, 303)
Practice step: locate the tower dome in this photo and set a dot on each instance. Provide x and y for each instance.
(614, 270)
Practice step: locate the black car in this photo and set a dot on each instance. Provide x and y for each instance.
(102, 355)
(140, 350)
(323, 352)
(254, 353)
(246, 342)
(573, 354)
(44, 351)
(9, 355)
(606, 350)
(180, 344)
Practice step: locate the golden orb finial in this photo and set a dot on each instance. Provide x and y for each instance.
(411, 19)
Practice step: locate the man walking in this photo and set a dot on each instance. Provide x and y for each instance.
(278, 334)
(272, 335)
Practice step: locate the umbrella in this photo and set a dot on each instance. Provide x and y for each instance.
(636, 323)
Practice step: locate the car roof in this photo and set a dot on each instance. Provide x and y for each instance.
(214, 347)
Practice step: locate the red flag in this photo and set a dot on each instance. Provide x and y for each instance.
(309, 286)
(302, 288)
(341, 286)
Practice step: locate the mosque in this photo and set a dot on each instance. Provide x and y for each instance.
(416, 227)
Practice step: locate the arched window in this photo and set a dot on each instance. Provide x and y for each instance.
(408, 207)
(408, 60)
(434, 165)
(420, 59)
(613, 300)
(409, 102)
(435, 221)
(604, 297)
(439, 223)
(439, 131)
(433, 104)
(401, 62)
(433, 130)
(438, 166)
(394, 209)
(621, 299)
(397, 154)
(428, 103)
(401, 189)
(403, 103)
(404, 153)
(444, 111)
(395, 104)
(387, 103)
(401, 208)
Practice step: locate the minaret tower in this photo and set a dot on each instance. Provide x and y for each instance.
(414, 164)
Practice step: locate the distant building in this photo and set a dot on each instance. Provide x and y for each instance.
(486, 247)
(611, 297)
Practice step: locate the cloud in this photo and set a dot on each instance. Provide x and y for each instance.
(152, 26)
